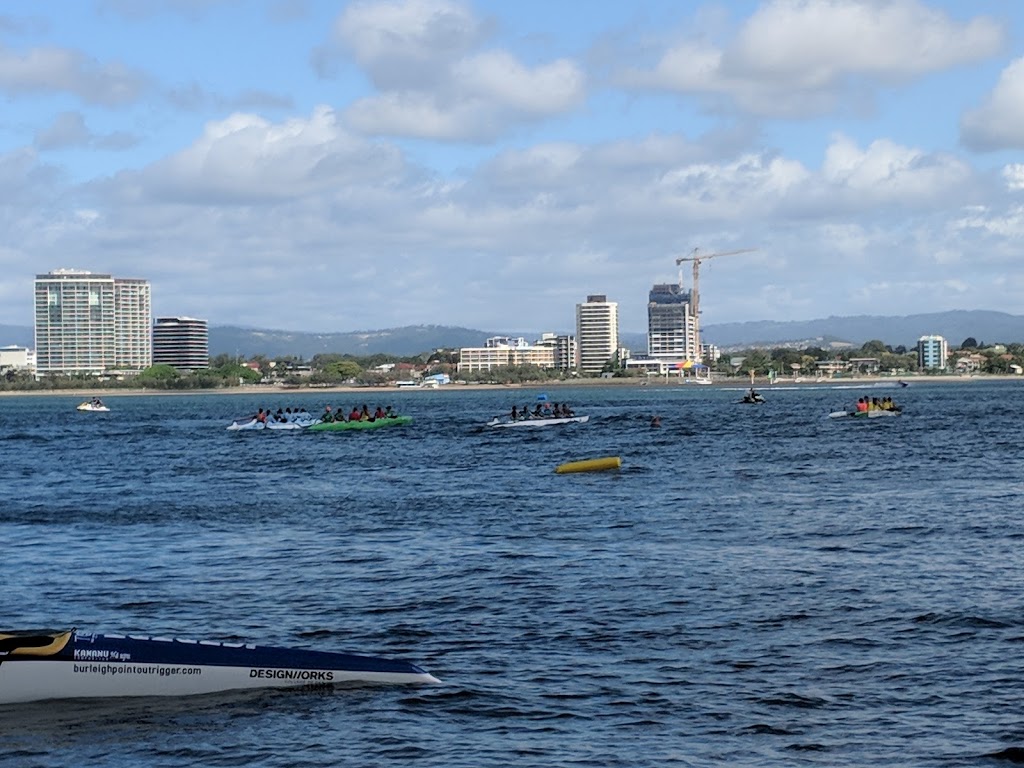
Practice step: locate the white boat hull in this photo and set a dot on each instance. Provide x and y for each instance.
(541, 422)
(39, 680)
(879, 414)
(252, 424)
(99, 666)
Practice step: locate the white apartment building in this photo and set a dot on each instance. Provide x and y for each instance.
(15, 358)
(91, 323)
(597, 333)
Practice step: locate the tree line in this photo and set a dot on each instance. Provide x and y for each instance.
(333, 369)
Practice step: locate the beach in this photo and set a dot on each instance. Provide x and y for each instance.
(738, 381)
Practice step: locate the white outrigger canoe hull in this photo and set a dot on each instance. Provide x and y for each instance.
(543, 421)
(91, 666)
(877, 414)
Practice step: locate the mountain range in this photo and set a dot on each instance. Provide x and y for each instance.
(955, 326)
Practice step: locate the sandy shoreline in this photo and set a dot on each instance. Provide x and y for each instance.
(738, 382)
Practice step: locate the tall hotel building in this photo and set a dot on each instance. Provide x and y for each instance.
(671, 326)
(181, 342)
(597, 332)
(91, 323)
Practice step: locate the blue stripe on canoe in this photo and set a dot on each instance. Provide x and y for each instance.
(113, 648)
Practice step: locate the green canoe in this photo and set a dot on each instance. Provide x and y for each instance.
(335, 426)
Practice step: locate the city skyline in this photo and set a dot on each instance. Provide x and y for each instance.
(335, 166)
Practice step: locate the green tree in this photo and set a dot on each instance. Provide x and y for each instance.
(338, 371)
(160, 375)
(873, 348)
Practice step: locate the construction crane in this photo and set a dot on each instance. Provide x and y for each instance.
(697, 257)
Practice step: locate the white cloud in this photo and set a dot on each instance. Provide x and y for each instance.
(886, 171)
(404, 44)
(999, 122)
(68, 71)
(247, 158)
(499, 77)
(315, 228)
(434, 82)
(1014, 176)
(69, 129)
(797, 57)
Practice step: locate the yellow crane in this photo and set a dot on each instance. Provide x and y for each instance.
(696, 256)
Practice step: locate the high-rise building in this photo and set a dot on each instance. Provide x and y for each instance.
(932, 352)
(671, 326)
(597, 333)
(182, 342)
(91, 323)
(133, 318)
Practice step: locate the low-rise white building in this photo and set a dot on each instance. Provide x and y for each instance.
(550, 351)
(15, 358)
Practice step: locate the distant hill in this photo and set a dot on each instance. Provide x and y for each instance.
(402, 342)
(17, 335)
(955, 326)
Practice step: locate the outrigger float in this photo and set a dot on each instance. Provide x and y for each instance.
(45, 664)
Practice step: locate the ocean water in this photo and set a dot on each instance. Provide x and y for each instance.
(758, 585)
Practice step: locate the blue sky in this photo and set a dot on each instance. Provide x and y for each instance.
(339, 166)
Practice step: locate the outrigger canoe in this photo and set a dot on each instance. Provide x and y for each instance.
(876, 414)
(245, 425)
(45, 664)
(543, 421)
(336, 426)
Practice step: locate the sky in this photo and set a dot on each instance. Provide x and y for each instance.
(339, 166)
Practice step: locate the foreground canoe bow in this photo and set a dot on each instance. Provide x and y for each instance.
(47, 664)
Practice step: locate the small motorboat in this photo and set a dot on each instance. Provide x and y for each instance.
(537, 421)
(37, 665)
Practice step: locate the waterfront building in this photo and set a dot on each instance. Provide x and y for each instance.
(182, 342)
(500, 351)
(597, 333)
(91, 323)
(565, 349)
(133, 318)
(671, 326)
(932, 353)
(17, 359)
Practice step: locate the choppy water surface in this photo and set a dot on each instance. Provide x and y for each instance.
(758, 585)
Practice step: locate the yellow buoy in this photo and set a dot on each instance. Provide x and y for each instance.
(589, 465)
